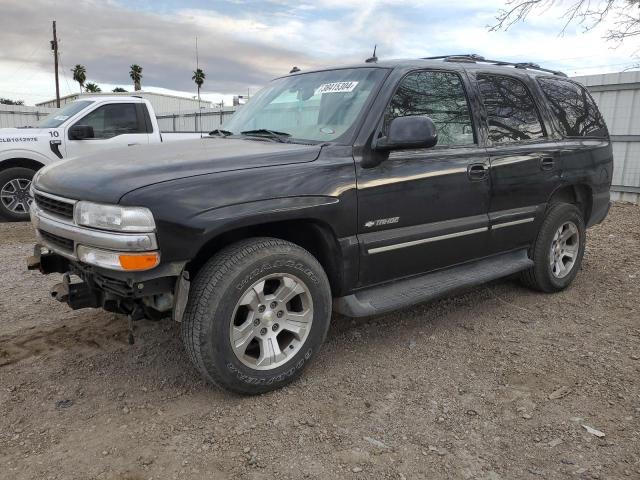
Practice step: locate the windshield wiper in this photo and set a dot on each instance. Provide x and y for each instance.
(219, 132)
(263, 132)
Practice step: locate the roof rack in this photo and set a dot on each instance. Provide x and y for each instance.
(473, 58)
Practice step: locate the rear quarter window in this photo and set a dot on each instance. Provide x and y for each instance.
(573, 108)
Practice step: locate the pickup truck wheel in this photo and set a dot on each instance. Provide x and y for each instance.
(558, 250)
(15, 198)
(257, 312)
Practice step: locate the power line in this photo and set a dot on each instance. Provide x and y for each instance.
(23, 63)
(64, 74)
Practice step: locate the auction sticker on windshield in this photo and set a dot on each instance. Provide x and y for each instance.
(336, 87)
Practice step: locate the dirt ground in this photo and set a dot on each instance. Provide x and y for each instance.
(493, 384)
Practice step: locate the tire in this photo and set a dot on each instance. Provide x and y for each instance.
(222, 301)
(15, 180)
(545, 275)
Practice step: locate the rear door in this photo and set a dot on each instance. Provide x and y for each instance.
(524, 158)
(424, 209)
(114, 125)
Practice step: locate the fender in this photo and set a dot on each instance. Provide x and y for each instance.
(23, 154)
(217, 221)
(271, 207)
(305, 220)
(581, 193)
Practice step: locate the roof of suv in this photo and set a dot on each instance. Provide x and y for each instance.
(451, 62)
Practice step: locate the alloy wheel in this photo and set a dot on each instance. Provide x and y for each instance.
(564, 249)
(271, 321)
(15, 195)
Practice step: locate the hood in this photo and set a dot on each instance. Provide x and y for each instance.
(107, 176)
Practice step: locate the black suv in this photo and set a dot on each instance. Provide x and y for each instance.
(358, 189)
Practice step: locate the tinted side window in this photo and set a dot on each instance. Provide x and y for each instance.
(438, 95)
(573, 108)
(511, 111)
(112, 120)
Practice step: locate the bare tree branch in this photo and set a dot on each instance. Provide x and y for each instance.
(586, 13)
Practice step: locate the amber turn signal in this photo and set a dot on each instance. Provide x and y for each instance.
(146, 261)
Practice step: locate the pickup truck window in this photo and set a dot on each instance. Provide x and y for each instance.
(112, 120)
(317, 106)
(57, 118)
(438, 95)
(573, 108)
(511, 111)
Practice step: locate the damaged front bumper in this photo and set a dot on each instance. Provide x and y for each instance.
(154, 294)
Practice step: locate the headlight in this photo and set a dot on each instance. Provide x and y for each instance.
(114, 217)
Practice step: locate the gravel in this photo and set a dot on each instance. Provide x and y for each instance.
(496, 383)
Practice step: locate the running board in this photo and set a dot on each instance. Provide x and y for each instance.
(404, 293)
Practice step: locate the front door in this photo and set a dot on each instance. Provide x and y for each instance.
(114, 125)
(424, 209)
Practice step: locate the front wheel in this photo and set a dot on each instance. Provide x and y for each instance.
(257, 313)
(15, 198)
(558, 250)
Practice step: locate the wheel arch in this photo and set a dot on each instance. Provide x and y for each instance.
(315, 236)
(20, 162)
(579, 194)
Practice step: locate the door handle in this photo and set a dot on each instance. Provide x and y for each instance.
(547, 163)
(477, 171)
(132, 144)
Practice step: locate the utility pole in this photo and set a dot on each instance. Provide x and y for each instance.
(54, 47)
(199, 105)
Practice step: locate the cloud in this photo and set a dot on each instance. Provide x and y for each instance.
(107, 38)
(245, 43)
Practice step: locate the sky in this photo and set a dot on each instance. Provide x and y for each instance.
(243, 44)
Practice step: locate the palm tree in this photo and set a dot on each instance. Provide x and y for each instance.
(92, 88)
(198, 77)
(136, 76)
(119, 90)
(79, 75)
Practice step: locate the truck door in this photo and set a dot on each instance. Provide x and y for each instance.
(525, 160)
(114, 125)
(424, 209)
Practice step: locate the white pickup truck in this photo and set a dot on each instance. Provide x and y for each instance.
(79, 128)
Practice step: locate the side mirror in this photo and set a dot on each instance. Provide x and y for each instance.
(81, 132)
(409, 132)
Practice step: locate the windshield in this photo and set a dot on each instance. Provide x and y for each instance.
(56, 119)
(320, 106)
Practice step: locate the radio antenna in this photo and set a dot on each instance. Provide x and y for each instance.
(373, 58)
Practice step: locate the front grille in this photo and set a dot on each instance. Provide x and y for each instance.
(57, 241)
(53, 206)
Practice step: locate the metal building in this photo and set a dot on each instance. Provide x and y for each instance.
(162, 103)
(22, 116)
(618, 97)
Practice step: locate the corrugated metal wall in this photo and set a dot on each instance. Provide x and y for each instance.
(20, 116)
(618, 97)
(193, 121)
(162, 103)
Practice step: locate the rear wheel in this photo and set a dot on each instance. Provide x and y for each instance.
(15, 198)
(257, 312)
(558, 250)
